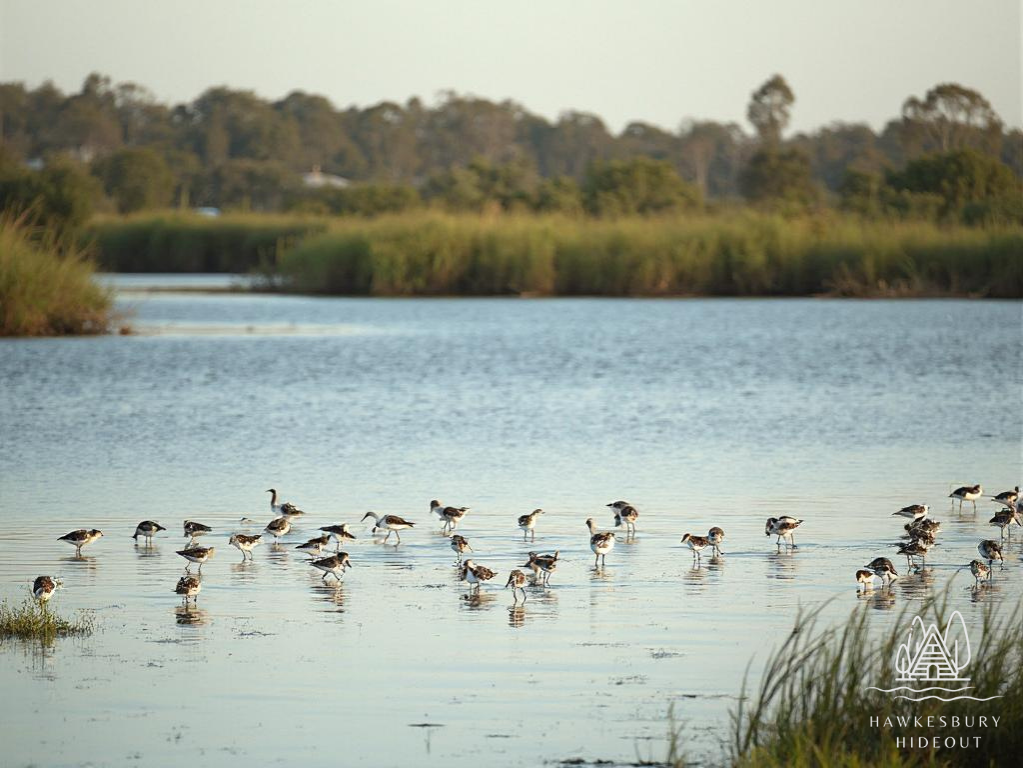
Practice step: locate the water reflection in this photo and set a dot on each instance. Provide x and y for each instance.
(87, 562)
(477, 600)
(332, 593)
(782, 564)
(880, 599)
(245, 571)
(516, 615)
(916, 585)
(189, 615)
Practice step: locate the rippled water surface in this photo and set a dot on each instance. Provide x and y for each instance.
(701, 413)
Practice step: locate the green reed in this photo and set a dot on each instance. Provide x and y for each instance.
(813, 708)
(46, 284)
(32, 621)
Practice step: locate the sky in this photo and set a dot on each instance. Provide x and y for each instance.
(655, 61)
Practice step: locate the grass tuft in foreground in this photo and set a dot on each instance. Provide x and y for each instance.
(814, 706)
(30, 621)
(47, 286)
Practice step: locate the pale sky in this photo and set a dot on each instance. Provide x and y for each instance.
(650, 60)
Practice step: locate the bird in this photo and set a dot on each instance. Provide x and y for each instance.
(391, 523)
(913, 549)
(969, 493)
(475, 574)
(925, 525)
(278, 527)
(334, 565)
(716, 536)
(284, 508)
(1008, 498)
(528, 524)
(44, 587)
(696, 544)
(189, 586)
(339, 532)
(451, 516)
(244, 543)
(542, 566)
(194, 530)
(924, 535)
(980, 571)
(1003, 520)
(990, 550)
(914, 512)
(517, 580)
(147, 529)
(197, 555)
(782, 528)
(865, 579)
(625, 515)
(459, 545)
(883, 568)
(315, 546)
(80, 538)
(601, 542)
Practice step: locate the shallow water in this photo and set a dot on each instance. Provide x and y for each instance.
(700, 412)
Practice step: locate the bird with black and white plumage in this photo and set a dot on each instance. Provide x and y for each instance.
(914, 549)
(335, 565)
(782, 528)
(980, 571)
(991, 550)
(390, 523)
(715, 537)
(914, 512)
(865, 579)
(528, 524)
(926, 525)
(450, 516)
(696, 544)
(147, 529)
(601, 542)
(285, 508)
(924, 535)
(189, 587)
(81, 538)
(1003, 520)
(278, 527)
(43, 588)
(340, 532)
(542, 566)
(459, 545)
(625, 515)
(474, 574)
(314, 547)
(244, 544)
(194, 530)
(883, 568)
(1008, 498)
(969, 493)
(197, 555)
(517, 581)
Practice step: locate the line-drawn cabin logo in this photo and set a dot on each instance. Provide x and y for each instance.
(927, 655)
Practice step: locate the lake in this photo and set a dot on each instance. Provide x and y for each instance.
(699, 412)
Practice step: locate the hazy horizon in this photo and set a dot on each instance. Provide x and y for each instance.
(660, 63)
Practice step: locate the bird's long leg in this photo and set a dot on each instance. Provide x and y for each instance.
(533, 535)
(524, 593)
(596, 558)
(398, 536)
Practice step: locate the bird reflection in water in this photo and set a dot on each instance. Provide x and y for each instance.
(880, 599)
(333, 593)
(782, 564)
(245, 570)
(189, 615)
(516, 615)
(983, 591)
(916, 584)
(476, 600)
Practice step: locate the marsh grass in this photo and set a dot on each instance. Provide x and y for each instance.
(813, 706)
(31, 621)
(46, 284)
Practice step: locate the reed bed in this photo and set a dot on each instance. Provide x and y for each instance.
(814, 706)
(31, 621)
(47, 286)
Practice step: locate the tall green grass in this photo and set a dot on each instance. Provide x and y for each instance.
(33, 621)
(739, 255)
(47, 286)
(814, 706)
(183, 242)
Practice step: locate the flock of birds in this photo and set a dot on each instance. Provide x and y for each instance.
(921, 533)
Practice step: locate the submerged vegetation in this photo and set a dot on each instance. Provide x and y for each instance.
(46, 284)
(815, 705)
(31, 621)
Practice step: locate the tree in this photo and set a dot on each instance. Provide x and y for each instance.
(639, 185)
(775, 176)
(949, 117)
(58, 197)
(136, 179)
(768, 110)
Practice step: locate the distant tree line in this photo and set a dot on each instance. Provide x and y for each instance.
(113, 147)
